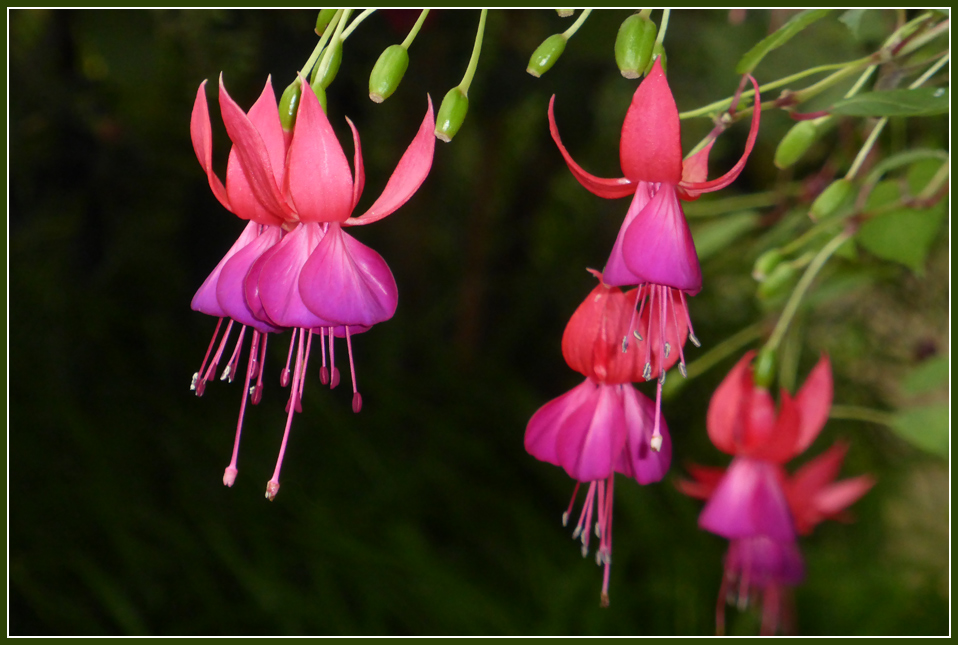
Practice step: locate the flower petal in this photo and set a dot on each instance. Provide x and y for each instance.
(279, 279)
(658, 246)
(748, 502)
(779, 443)
(692, 189)
(201, 133)
(616, 273)
(317, 172)
(230, 291)
(359, 174)
(606, 188)
(591, 438)
(348, 283)
(725, 419)
(814, 401)
(592, 340)
(637, 460)
(764, 563)
(409, 174)
(651, 144)
(252, 154)
(703, 483)
(205, 299)
(251, 286)
(542, 431)
(812, 495)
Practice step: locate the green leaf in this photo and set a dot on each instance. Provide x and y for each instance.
(927, 377)
(853, 20)
(782, 35)
(925, 427)
(715, 236)
(903, 235)
(921, 101)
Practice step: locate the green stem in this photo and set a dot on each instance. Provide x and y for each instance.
(791, 307)
(415, 29)
(663, 27)
(308, 67)
(568, 33)
(858, 413)
(739, 202)
(337, 36)
(355, 23)
(474, 59)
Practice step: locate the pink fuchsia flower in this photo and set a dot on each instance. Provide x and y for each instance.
(654, 246)
(307, 273)
(604, 425)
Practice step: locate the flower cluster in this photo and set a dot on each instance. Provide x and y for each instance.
(615, 338)
(755, 504)
(294, 266)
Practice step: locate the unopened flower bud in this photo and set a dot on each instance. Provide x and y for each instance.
(766, 263)
(832, 198)
(658, 51)
(288, 104)
(388, 72)
(325, 71)
(451, 114)
(633, 45)
(320, 93)
(764, 368)
(546, 54)
(795, 143)
(778, 282)
(323, 19)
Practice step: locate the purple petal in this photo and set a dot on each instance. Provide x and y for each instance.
(638, 460)
(616, 273)
(658, 246)
(543, 428)
(763, 561)
(591, 438)
(279, 279)
(205, 299)
(230, 290)
(749, 501)
(348, 283)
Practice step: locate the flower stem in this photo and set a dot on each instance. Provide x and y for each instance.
(415, 29)
(337, 35)
(858, 413)
(663, 27)
(308, 67)
(711, 358)
(568, 33)
(791, 307)
(355, 23)
(474, 59)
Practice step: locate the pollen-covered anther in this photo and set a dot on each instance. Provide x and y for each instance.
(682, 369)
(196, 377)
(637, 335)
(625, 344)
(668, 348)
(695, 341)
(226, 373)
(565, 518)
(647, 372)
(271, 489)
(656, 443)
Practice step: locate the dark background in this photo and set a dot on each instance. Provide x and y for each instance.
(423, 514)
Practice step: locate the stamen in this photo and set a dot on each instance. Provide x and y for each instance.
(196, 376)
(656, 441)
(682, 370)
(695, 341)
(688, 320)
(681, 354)
(637, 336)
(257, 391)
(565, 516)
(272, 487)
(606, 544)
(323, 371)
(232, 367)
(208, 375)
(625, 346)
(229, 475)
(333, 371)
(357, 397)
(302, 376)
(647, 372)
(284, 375)
(668, 349)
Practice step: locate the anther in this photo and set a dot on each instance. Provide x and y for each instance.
(695, 341)
(647, 372)
(576, 532)
(604, 600)
(357, 402)
(682, 370)
(662, 378)
(656, 443)
(668, 348)
(271, 489)
(284, 377)
(229, 476)
(625, 344)
(334, 378)
(638, 336)
(585, 550)
(565, 518)
(196, 377)
(226, 373)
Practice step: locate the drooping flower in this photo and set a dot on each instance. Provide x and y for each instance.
(654, 246)
(755, 503)
(294, 267)
(604, 425)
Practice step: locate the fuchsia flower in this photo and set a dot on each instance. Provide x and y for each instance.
(294, 267)
(604, 425)
(755, 503)
(654, 246)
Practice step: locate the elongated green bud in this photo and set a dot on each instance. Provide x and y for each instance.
(658, 51)
(325, 71)
(832, 198)
(320, 93)
(388, 72)
(288, 104)
(633, 45)
(795, 143)
(778, 282)
(451, 114)
(765, 366)
(323, 19)
(766, 263)
(546, 54)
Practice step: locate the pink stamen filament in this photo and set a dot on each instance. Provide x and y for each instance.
(688, 320)
(219, 353)
(196, 376)
(605, 544)
(678, 337)
(357, 397)
(333, 372)
(229, 476)
(284, 375)
(568, 512)
(323, 371)
(647, 372)
(257, 392)
(272, 487)
(229, 373)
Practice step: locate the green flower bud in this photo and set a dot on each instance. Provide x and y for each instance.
(546, 54)
(633, 45)
(832, 198)
(288, 104)
(322, 20)
(765, 263)
(451, 114)
(795, 143)
(658, 51)
(388, 72)
(320, 93)
(326, 70)
(764, 372)
(778, 282)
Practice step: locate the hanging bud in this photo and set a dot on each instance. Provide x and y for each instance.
(451, 114)
(766, 263)
(658, 52)
(795, 143)
(325, 71)
(288, 104)
(764, 368)
(546, 54)
(323, 19)
(633, 45)
(320, 93)
(778, 282)
(388, 72)
(831, 199)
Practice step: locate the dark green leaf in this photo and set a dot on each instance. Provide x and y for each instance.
(754, 56)
(925, 427)
(921, 101)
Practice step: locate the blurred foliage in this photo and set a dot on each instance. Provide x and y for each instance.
(423, 514)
